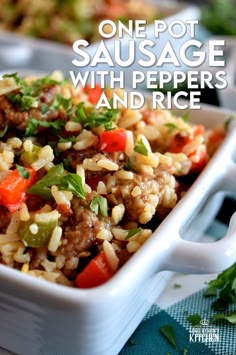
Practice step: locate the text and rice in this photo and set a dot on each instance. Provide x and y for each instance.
(80, 185)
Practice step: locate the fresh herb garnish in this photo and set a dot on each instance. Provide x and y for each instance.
(3, 131)
(67, 164)
(185, 116)
(28, 96)
(33, 124)
(224, 287)
(99, 203)
(44, 109)
(60, 102)
(72, 182)
(42, 186)
(67, 139)
(95, 118)
(129, 165)
(194, 319)
(15, 76)
(22, 171)
(131, 342)
(231, 318)
(132, 232)
(168, 332)
(27, 102)
(176, 285)
(228, 122)
(171, 127)
(141, 148)
(64, 181)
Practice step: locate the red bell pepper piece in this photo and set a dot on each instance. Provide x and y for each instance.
(94, 94)
(13, 189)
(95, 273)
(93, 181)
(179, 142)
(197, 166)
(113, 141)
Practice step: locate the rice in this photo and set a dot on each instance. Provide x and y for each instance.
(71, 126)
(34, 228)
(55, 239)
(61, 197)
(45, 156)
(101, 188)
(6, 160)
(104, 234)
(85, 140)
(46, 217)
(107, 164)
(129, 118)
(112, 258)
(117, 213)
(124, 175)
(83, 199)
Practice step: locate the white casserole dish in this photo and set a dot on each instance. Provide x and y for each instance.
(51, 319)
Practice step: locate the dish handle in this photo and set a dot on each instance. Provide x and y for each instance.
(202, 258)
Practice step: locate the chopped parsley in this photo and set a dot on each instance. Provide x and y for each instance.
(72, 182)
(194, 319)
(132, 232)
(141, 148)
(228, 122)
(60, 102)
(105, 117)
(223, 288)
(177, 285)
(28, 96)
(171, 127)
(22, 171)
(67, 139)
(64, 181)
(99, 204)
(231, 318)
(18, 80)
(25, 102)
(33, 124)
(131, 342)
(185, 116)
(42, 186)
(3, 131)
(168, 332)
(129, 165)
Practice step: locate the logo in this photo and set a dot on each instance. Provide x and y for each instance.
(204, 322)
(204, 333)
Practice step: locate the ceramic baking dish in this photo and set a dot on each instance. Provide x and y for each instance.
(53, 319)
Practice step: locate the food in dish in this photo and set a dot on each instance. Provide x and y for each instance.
(80, 187)
(67, 21)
